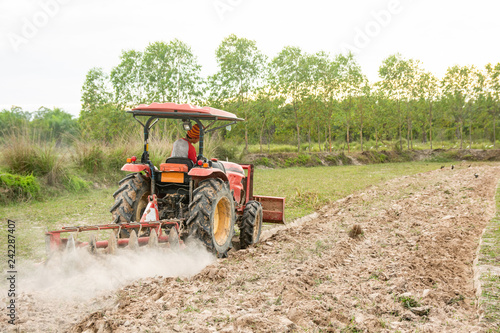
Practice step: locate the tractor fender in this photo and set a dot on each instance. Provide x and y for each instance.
(137, 168)
(204, 173)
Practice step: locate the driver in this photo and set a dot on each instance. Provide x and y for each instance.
(183, 147)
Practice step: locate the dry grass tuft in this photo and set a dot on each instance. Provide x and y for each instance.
(355, 231)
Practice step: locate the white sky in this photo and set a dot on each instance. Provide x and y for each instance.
(47, 46)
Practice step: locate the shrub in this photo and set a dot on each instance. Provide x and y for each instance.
(263, 161)
(226, 151)
(116, 155)
(25, 156)
(18, 187)
(302, 160)
(76, 184)
(332, 159)
(89, 156)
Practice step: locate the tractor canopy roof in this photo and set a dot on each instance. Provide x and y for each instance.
(182, 111)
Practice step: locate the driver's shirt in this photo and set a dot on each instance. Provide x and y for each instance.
(183, 148)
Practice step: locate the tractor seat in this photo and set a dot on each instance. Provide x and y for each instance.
(180, 160)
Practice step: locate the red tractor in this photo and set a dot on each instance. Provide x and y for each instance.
(181, 199)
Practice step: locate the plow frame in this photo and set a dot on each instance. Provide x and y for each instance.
(54, 242)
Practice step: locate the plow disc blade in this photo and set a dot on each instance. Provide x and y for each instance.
(173, 239)
(112, 243)
(273, 209)
(70, 245)
(92, 244)
(153, 239)
(133, 241)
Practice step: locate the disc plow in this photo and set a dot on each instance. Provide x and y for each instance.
(151, 234)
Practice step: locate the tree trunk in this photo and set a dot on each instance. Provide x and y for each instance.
(348, 143)
(319, 138)
(268, 140)
(361, 136)
(298, 128)
(411, 134)
(309, 138)
(329, 137)
(430, 123)
(494, 131)
(326, 137)
(461, 134)
(262, 133)
(399, 124)
(348, 120)
(407, 127)
(470, 134)
(408, 133)
(361, 124)
(461, 127)
(246, 136)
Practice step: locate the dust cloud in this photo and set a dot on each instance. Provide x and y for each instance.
(79, 274)
(55, 294)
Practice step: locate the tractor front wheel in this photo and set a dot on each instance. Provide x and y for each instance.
(251, 224)
(212, 216)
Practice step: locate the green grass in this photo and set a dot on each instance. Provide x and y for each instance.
(305, 190)
(408, 302)
(490, 255)
(34, 218)
(367, 145)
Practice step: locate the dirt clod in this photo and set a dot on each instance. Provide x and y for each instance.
(355, 231)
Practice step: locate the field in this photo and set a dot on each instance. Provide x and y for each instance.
(306, 189)
(409, 267)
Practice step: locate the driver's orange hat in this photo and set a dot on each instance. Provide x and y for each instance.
(194, 132)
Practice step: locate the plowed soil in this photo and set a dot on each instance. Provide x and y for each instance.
(398, 256)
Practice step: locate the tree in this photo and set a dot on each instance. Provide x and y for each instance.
(394, 72)
(105, 123)
(328, 84)
(129, 80)
(13, 119)
(288, 73)
(492, 92)
(364, 102)
(54, 123)
(172, 73)
(351, 80)
(95, 90)
(458, 86)
(241, 69)
(428, 90)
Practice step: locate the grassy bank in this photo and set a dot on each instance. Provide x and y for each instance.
(489, 259)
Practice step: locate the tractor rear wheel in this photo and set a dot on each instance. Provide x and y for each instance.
(212, 216)
(251, 224)
(131, 198)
